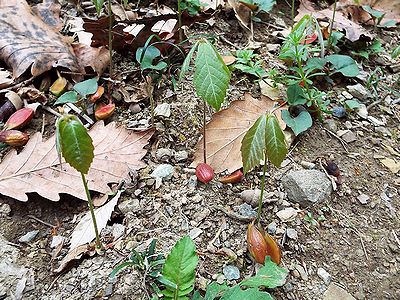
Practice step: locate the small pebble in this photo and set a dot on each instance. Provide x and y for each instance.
(181, 156)
(307, 165)
(291, 233)
(231, 272)
(5, 210)
(28, 237)
(363, 199)
(135, 108)
(195, 232)
(271, 228)
(163, 154)
(339, 112)
(246, 210)
(324, 275)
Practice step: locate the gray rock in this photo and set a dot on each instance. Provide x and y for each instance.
(363, 198)
(324, 275)
(347, 95)
(246, 210)
(271, 228)
(288, 287)
(163, 154)
(135, 108)
(335, 292)
(359, 91)
(5, 210)
(131, 205)
(163, 171)
(28, 237)
(330, 124)
(163, 110)
(307, 187)
(118, 230)
(362, 111)
(347, 135)
(195, 232)
(231, 272)
(291, 233)
(302, 272)
(181, 156)
(307, 164)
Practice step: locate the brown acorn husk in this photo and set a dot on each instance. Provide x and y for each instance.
(261, 244)
(59, 86)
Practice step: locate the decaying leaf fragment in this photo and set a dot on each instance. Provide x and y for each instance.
(29, 39)
(37, 169)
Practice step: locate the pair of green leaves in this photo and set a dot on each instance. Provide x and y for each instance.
(83, 88)
(147, 54)
(264, 140)
(269, 276)
(74, 143)
(211, 76)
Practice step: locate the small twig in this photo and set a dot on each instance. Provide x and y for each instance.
(221, 36)
(77, 73)
(232, 214)
(216, 235)
(54, 281)
(80, 112)
(43, 123)
(361, 240)
(339, 138)
(40, 221)
(18, 85)
(396, 238)
(52, 111)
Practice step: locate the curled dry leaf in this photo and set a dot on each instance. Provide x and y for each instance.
(226, 130)
(352, 30)
(37, 169)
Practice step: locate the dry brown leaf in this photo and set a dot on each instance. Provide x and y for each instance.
(352, 30)
(29, 39)
(242, 13)
(389, 7)
(224, 133)
(96, 58)
(72, 255)
(37, 169)
(84, 231)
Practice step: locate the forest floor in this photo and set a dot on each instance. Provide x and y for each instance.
(353, 235)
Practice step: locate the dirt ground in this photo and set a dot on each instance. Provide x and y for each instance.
(356, 243)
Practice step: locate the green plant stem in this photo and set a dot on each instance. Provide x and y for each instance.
(204, 132)
(91, 208)
(293, 13)
(260, 200)
(150, 93)
(180, 21)
(331, 27)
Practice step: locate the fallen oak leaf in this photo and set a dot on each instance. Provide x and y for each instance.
(226, 130)
(37, 169)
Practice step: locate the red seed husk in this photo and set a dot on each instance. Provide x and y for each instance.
(96, 96)
(232, 178)
(105, 111)
(204, 173)
(20, 118)
(14, 138)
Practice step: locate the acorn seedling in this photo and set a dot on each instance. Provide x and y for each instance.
(74, 143)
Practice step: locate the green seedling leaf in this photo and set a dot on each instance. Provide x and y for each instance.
(75, 143)
(295, 95)
(269, 276)
(343, 64)
(236, 293)
(352, 104)
(68, 97)
(145, 57)
(275, 141)
(265, 5)
(98, 4)
(396, 52)
(215, 290)
(373, 12)
(388, 24)
(211, 77)
(179, 269)
(253, 144)
(186, 63)
(86, 87)
(298, 124)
